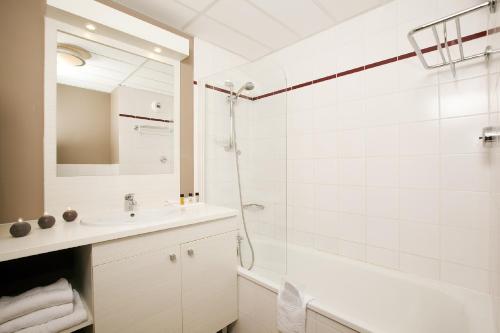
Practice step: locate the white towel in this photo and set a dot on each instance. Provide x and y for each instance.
(36, 318)
(78, 316)
(292, 306)
(35, 299)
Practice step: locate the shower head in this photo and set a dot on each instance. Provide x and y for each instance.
(247, 86)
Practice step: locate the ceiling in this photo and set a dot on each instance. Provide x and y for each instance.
(251, 28)
(109, 68)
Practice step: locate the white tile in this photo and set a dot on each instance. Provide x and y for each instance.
(382, 110)
(241, 16)
(424, 267)
(465, 172)
(382, 257)
(388, 74)
(352, 250)
(419, 138)
(351, 171)
(466, 97)
(326, 223)
(325, 145)
(465, 246)
(351, 143)
(419, 172)
(324, 93)
(382, 171)
(299, 100)
(326, 197)
(350, 227)
(351, 87)
(303, 219)
(326, 244)
(412, 75)
(460, 135)
(325, 119)
(299, 146)
(418, 104)
(382, 202)
(381, 45)
(382, 233)
(301, 194)
(382, 141)
(302, 16)
(299, 123)
(465, 276)
(419, 205)
(351, 114)
(301, 171)
(465, 209)
(419, 239)
(326, 171)
(351, 199)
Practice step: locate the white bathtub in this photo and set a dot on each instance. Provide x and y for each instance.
(371, 299)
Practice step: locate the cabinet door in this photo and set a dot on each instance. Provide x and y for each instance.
(139, 294)
(209, 283)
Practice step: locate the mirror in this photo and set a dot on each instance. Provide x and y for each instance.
(115, 111)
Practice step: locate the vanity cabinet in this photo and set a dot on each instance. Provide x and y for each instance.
(183, 280)
(139, 294)
(209, 283)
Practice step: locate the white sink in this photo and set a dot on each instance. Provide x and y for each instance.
(137, 217)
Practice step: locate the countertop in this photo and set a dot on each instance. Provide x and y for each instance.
(64, 235)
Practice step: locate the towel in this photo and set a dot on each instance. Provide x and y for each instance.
(35, 299)
(292, 305)
(78, 316)
(36, 318)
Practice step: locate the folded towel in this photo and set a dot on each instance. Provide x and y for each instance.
(292, 307)
(36, 318)
(78, 316)
(35, 299)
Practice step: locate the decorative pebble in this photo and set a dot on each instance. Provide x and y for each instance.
(20, 228)
(46, 221)
(70, 215)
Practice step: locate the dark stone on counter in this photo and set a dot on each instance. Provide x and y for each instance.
(20, 229)
(46, 221)
(70, 215)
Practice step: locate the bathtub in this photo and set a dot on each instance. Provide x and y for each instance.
(369, 298)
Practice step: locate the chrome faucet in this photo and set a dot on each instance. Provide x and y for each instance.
(130, 202)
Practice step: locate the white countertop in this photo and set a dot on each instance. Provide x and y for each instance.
(64, 235)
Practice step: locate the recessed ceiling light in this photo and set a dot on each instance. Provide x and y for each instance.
(90, 26)
(157, 49)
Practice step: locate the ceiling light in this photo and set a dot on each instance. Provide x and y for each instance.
(157, 49)
(90, 27)
(72, 55)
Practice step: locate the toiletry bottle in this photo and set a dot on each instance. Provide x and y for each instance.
(190, 201)
(181, 199)
(197, 197)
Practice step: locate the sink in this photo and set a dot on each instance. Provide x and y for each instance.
(129, 218)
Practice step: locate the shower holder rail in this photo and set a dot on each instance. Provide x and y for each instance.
(447, 59)
(491, 134)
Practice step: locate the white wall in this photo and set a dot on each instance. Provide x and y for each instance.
(384, 165)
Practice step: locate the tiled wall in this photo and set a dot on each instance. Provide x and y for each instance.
(384, 163)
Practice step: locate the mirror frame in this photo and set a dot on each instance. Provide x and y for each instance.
(98, 193)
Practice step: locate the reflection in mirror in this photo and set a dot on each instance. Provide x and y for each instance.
(114, 111)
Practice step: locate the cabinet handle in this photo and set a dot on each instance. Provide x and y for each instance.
(173, 257)
(190, 252)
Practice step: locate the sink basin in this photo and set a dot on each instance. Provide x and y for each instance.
(127, 218)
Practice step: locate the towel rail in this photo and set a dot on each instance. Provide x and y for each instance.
(448, 60)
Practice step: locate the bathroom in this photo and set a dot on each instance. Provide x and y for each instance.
(304, 166)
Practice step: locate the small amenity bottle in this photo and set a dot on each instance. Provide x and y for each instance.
(181, 199)
(197, 197)
(190, 201)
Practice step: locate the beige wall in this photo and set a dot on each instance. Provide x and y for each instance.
(83, 126)
(21, 108)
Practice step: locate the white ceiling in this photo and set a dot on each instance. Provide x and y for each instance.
(251, 28)
(109, 68)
